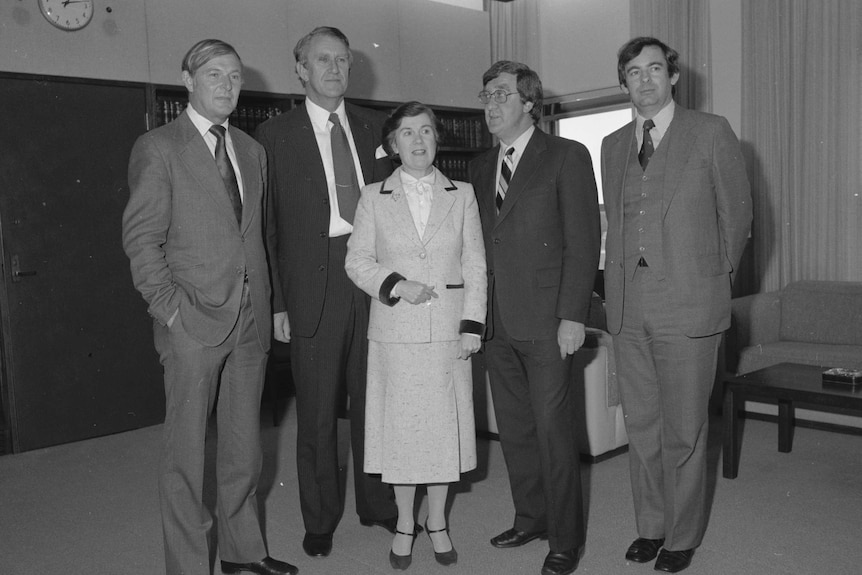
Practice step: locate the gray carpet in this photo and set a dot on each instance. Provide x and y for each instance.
(92, 508)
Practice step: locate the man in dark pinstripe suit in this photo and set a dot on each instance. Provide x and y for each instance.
(316, 307)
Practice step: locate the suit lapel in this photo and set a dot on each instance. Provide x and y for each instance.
(363, 139)
(485, 186)
(251, 184)
(201, 165)
(440, 207)
(528, 165)
(680, 140)
(397, 211)
(617, 169)
(302, 149)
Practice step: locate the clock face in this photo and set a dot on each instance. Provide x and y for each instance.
(67, 14)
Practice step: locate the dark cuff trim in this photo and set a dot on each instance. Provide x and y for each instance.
(386, 289)
(470, 326)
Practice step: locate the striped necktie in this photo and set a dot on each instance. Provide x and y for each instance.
(226, 171)
(505, 178)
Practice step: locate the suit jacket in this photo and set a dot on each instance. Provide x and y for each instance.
(298, 232)
(705, 218)
(385, 247)
(186, 249)
(543, 248)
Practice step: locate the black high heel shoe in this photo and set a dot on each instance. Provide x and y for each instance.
(447, 557)
(402, 562)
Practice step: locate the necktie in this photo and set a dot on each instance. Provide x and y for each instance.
(646, 147)
(226, 170)
(505, 178)
(346, 184)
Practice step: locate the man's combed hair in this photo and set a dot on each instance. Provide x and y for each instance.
(529, 84)
(633, 48)
(300, 51)
(204, 51)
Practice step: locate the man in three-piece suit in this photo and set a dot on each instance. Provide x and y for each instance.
(679, 210)
(320, 155)
(539, 210)
(193, 231)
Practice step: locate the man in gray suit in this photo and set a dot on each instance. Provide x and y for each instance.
(679, 210)
(193, 231)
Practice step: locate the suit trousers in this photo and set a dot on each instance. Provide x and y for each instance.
(324, 366)
(195, 375)
(531, 390)
(665, 380)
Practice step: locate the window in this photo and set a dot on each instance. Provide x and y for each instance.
(590, 128)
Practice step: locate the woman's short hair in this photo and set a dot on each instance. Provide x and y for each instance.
(635, 46)
(203, 52)
(408, 110)
(529, 84)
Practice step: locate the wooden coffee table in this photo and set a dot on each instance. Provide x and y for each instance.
(784, 383)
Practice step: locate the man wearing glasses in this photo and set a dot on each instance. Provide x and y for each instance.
(540, 218)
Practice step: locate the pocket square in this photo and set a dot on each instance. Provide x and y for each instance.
(380, 153)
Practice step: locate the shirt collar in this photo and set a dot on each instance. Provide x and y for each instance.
(320, 116)
(519, 144)
(662, 119)
(202, 124)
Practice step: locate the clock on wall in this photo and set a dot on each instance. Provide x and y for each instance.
(67, 14)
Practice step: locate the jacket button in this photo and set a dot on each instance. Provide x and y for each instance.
(321, 268)
(422, 256)
(323, 234)
(496, 240)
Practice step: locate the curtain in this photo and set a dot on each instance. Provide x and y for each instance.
(684, 26)
(801, 128)
(515, 32)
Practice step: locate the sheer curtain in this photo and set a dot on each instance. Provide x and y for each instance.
(515, 32)
(801, 127)
(684, 26)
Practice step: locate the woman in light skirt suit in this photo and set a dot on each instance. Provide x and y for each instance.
(417, 249)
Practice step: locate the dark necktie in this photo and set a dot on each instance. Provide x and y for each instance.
(346, 184)
(646, 147)
(226, 170)
(505, 178)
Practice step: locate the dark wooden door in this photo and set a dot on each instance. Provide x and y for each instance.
(78, 357)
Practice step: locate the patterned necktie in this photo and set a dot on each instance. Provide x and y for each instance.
(646, 147)
(346, 184)
(505, 178)
(226, 170)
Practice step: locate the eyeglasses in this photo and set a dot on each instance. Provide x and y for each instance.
(499, 96)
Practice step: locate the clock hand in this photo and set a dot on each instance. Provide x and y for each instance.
(67, 2)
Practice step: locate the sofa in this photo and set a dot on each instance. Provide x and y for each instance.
(598, 414)
(810, 322)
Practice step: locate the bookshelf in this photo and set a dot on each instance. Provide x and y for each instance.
(464, 134)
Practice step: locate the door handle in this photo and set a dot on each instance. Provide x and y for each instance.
(17, 274)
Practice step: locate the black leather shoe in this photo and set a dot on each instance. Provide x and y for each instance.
(644, 550)
(402, 562)
(388, 524)
(673, 561)
(561, 563)
(445, 558)
(267, 566)
(514, 538)
(317, 544)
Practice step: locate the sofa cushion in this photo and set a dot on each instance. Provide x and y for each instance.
(822, 312)
(828, 355)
